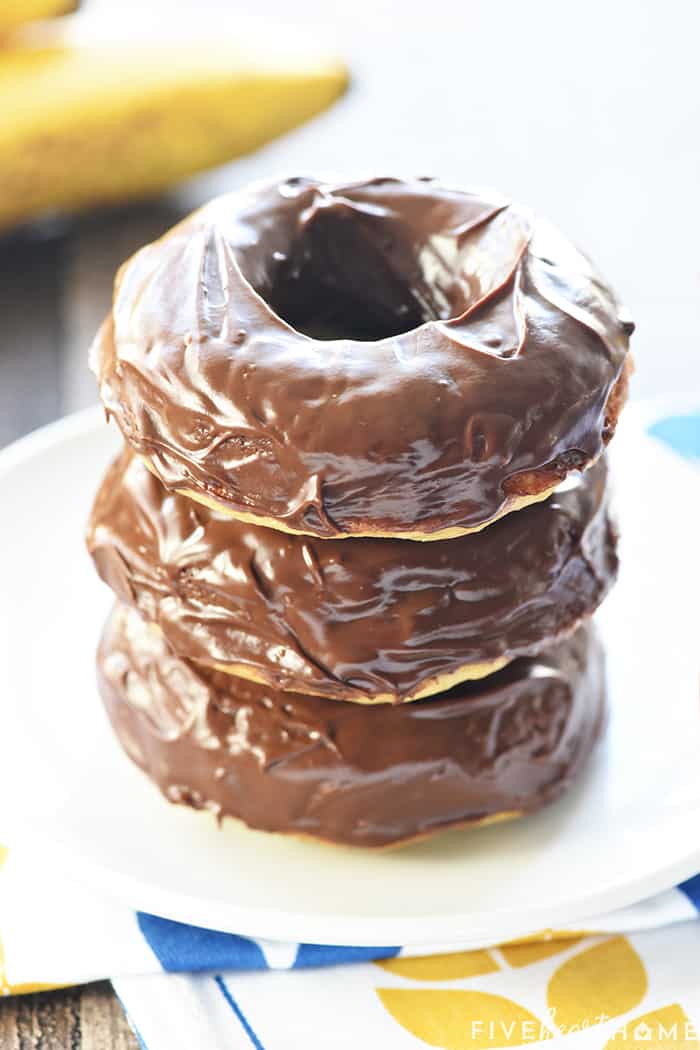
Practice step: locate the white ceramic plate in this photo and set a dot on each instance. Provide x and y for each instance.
(630, 828)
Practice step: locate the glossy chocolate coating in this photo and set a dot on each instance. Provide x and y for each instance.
(344, 773)
(351, 619)
(457, 346)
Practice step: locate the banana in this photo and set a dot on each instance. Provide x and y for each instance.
(88, 119)
(15, 12)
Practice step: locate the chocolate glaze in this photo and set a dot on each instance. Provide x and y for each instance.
(469, 353)
(344, 773)
(351, 620)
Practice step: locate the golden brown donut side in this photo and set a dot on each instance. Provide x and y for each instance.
(366, 777)
(511, 503)
(467, 360)
(374, 620)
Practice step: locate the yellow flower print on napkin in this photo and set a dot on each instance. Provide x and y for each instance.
(609, 977)
(605, 980)
(462, 1020)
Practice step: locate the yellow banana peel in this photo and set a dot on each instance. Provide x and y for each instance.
(15, 12)
(86, 122)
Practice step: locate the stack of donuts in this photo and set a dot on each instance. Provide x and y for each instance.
(360, 523)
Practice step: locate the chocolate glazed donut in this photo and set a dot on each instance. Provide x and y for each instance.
(372, 620)
(385, 357)
(338, 772)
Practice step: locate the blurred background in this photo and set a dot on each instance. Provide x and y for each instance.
(588, 112)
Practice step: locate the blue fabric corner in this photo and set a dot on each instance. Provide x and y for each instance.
(691, 888)
(680, 433)
(180, 948)
(309, 955)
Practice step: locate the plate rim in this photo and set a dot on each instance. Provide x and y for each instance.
(368, 931)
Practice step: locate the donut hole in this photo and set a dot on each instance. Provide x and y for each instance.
(350, 299)
(316, 307)
(340, 280)
(335, 268)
